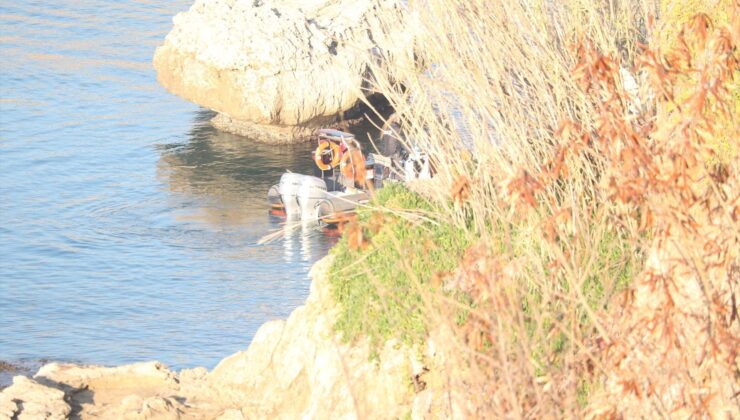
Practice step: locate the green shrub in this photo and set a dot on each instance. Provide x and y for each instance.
(380, 288)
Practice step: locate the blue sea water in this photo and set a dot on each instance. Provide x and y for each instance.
(129, 226)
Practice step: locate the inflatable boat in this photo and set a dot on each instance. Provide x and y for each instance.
(332, 197)
(346, 177)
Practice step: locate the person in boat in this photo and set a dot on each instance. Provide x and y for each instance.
(338, 149)
(405, 160)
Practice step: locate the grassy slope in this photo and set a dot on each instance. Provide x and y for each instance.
(381, 287)
(544, 315)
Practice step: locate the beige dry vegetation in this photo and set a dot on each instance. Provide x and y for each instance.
(575, 153)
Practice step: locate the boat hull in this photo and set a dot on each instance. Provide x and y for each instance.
(338, 208)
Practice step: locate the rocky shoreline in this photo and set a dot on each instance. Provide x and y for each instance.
(21, 367)
(293, 368)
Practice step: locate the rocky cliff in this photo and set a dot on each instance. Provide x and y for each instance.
(276, 69)
(294, 368)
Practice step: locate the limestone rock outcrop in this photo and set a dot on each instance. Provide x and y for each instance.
(276, 68)
(28, 399)
(294, 368)
(302, 369)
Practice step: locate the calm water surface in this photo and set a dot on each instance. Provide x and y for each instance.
(128, 226)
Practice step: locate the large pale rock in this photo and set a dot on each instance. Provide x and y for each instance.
(274, 65)
(28, 399)
(138, 391)
(138, 375)
(302, 368)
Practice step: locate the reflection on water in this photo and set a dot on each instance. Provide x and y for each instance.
(220, 180)
(129, 226)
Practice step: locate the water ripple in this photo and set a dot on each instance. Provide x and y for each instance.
(130, 225)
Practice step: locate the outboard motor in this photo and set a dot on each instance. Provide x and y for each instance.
(311, 191)
(288, 188)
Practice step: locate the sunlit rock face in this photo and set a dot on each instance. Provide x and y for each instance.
(274, 65)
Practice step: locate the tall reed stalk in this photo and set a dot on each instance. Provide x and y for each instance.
(571, 149)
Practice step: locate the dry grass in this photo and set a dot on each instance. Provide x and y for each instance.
(604, 272)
